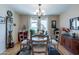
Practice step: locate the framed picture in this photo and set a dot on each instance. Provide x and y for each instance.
(74, 23)
(2, 20)
(53, 24)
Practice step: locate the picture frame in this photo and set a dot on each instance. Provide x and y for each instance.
(2, 20)
(74, 23)
(53, 25)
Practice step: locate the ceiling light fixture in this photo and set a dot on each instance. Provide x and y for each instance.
(39, 12)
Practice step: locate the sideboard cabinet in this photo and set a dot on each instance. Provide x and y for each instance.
(70, 43)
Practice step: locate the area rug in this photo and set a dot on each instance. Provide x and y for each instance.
(51, 51)
(24, 51)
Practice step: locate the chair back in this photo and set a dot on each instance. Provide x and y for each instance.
(25, 35)
(40, 41)
(21, 37)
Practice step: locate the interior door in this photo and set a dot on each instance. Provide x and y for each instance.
(2, 37)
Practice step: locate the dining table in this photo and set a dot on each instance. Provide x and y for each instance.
(39, 41)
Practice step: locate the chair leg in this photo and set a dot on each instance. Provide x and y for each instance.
(46, 51)
(32, 52)
(23, 46)
(55, 46)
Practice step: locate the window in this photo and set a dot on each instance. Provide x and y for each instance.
(39, 24)
(43, 25)
(34, 24)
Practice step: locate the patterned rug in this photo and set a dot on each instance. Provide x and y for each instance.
(52, 51)
(25, 51)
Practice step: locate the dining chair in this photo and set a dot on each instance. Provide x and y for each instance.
(23, 40)
(39, 44)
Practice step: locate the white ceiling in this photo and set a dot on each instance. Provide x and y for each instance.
(29, 9)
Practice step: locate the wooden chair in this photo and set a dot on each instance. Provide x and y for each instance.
(23, 40)
(39, 41)
(55, 40)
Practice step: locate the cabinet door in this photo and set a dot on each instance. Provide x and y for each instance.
(62, 41)
(75, 46)
(68, 44)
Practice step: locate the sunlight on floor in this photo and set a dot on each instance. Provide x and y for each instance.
(12, 51)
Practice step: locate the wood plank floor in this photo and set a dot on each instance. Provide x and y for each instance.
(16, 48)
(63, 51)
(12, 51)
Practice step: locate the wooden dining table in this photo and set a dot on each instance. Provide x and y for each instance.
(40, 41)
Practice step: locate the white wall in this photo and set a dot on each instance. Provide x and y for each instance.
(3, 10)
(24, 21)
(2, 37)
(72, 12)
(50, 29)
(16, 21)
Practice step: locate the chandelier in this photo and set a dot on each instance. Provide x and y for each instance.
(39, 12)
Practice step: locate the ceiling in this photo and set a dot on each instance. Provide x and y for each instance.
(29, 9)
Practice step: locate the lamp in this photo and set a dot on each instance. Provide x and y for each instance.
(39, 12)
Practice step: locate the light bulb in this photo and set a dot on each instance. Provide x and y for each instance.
(37, 10)
(43, 11)
(34, 13)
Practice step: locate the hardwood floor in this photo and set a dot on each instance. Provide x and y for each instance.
(12, 51)
(63, 51)
(16, 48)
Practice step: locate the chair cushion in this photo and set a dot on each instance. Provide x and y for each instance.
(54, 42)
(24, 42)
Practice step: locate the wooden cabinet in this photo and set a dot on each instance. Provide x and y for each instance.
(75, 47)
(71, 44)
(68, 44)
(62, 41)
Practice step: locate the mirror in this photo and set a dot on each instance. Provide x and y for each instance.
(74, 23)
(9, 30)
